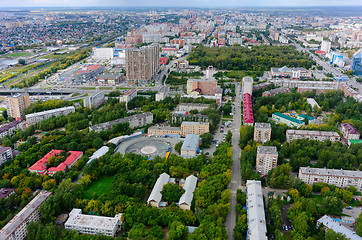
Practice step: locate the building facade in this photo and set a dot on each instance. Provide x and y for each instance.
(164, 131)
(187, 107)
(110, 78)
(349, 132)
(92, 224)
(155, 197)
(190, 145)
(357, 62)
(266, 159)
(15, 229)
(128, 96)
(39, 116)
(103, 53)
(312, 135)
(262, 132)
(6, 154)
(289, 121)
(248, 117)
(189, 187)
(10, 128)
(88, 72)
(276, 91)
(201, 87)
(16, 105)
(94, 100)
(337, 177)
(194, 128)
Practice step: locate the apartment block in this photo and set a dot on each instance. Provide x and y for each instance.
(142, 63)
(194, 128)
(248, 117)
(187, 107)
(266, 159)
(39, 116)
(10, 128)
(15, 229)
(288, 120)
(94, 100)
(349, 132)
(247, 85)
(330, 223)
(337, 177)
(312, 135)
(164, 131)
(128, 96)
(6, 154)
(276, 91)
(16, 105)
(262, 132)
(92, 224)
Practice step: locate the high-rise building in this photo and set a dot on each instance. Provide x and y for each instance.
(266, 159)
(142, 63)
(326, 46)
(262, 132)
(16, 105)
(357, 62)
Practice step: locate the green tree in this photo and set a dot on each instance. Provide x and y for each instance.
(171, 192)
(178, 147)
(358, 225)
(178, 231)
(5, 114)
(21, 61)
(206, 139)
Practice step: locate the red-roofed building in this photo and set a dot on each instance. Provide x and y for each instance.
(248, 117)
(163, 61)
(320, 52)
(40, 167)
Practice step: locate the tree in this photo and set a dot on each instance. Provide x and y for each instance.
(332, 205)
(156, 232)
(21, 61)
(358, 225)
(137, 232)
(5, 114)
(172, 192)
(206, 139)
(97, 143)
(332, 235)
(178, 147)
(178, 231)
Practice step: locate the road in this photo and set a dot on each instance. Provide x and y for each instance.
(235, 183)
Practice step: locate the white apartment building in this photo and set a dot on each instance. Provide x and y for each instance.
(255, 211)
(103, 53)
(337, 177)
(329, 223)
(128, 96)
(262, 132)
(312, 135)
(94, 100)
(91, 224)
(6, 154)
(326, 46)
(247, 85)
(16, 228)
(39, 116)
(266, 159)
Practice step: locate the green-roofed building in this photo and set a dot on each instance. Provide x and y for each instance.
(289, 121)
(303, 116)
(354, 141)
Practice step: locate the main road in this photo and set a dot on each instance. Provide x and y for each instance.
(235, 183)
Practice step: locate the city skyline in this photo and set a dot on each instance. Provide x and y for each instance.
(173, 3)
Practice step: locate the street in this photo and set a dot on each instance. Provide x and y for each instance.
(235, 183)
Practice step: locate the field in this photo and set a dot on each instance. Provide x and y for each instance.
(319, 198)
(99, 187)
(15, 55)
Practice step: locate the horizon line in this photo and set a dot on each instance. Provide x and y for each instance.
(185, 7)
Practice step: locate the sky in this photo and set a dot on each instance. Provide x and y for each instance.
(177, 3)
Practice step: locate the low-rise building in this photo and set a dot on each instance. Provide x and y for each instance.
(289, 121)
(302, 117)
(92, 224)
(155, 197)
(349, 132)
(6, 192)
(128, 96)
(194, 128)
(163, 93)
(15, 229)
(137, 120)
(329, 223)
(247, 85)
(189, 187)
(164, 131)
(88, 72)
(10, 128)
(110, 78)
(337, 177)
(312, 135)
(266, 159)
(180, 116)
(276, 91)
(313, 103)
(201, 87)
(187, 107)
(190, 145)
(248, 117)
(94, 100)
(296, 73)
(262, 132)
(40, 167)
(6, 154)
(255, 211)
(39, 116)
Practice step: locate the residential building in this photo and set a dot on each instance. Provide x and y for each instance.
(349, 132)
(190, 145)
(357, 63)
(318, 90)
(163, 93)
(186, 198)
(273, 34)
(330, 223)
(248, 117)
(201, 87)
(255, 211)
(266, 159)
(337, 177)
(295, 73)
(10, 128)
(142, 63)
(276, 91)
(88, 72)
(187, 107)
(94, 100)
(155, 197)
(164, 131)
(39, 116)
(16, 104)
(137, 120)
(103, 53)
(180, 116)
(40, 167)
(128, 96)
(247, 85)
(194, 128)
(313, 103)
(6, 192)
(93, 224)
(110, 78)
(6, 154)
(262, 132)
(261, 85)
(304, 84)
(15, 229)
(312, 135)
(288, 120)
(326, 46)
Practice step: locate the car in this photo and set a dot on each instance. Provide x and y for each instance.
(207, 153)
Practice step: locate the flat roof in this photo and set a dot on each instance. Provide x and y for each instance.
(191, 142)
(330, 172)
(50, 111)
(289, 118)
(312, 133)
(328, 222)
(194, 123)
(263, 125)
(267, 150)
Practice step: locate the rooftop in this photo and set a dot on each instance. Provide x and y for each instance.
(194, 123)
(328, 222)
(267, 150)
(111, 76)
(349, 128)
(156, 195)
(314, 133)
(288, 117)
(191, 142)
(4, 192)
(330, 172)
(4, 149)
(8, 126)
(189, 187)
(50, 111)
(263, 125)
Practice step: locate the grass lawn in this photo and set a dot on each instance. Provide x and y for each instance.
(19, 54)
(287, 235)
(319, 198)
(87, 88)
(105, 88)
(99, 187)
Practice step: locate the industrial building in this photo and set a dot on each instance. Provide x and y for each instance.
(94, 100)
(92, 224)
(15, 229)
(337, 177)
(155, 197)
(255, 211)
(247, 85)
(266, 159)
(39, 116)
(6, 154)
(289, 121)
(262, 132)
(88, 72)
(248, 117)
(16, 105)
(330, 223)
(137, 120)
(186, 198)
(110, 78)
(190, 145)
(349, 132)
(103, 53)
(312, 135)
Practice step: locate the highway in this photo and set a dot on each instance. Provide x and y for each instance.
(235, 183)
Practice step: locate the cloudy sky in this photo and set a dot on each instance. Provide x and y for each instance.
(175, 3)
